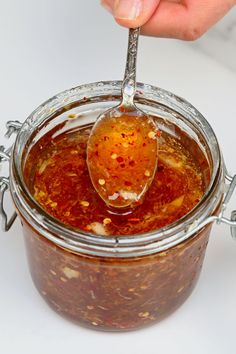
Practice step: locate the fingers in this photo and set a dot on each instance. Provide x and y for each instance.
(170, 20)
(181, 19)
(187, 19)
(131, 13)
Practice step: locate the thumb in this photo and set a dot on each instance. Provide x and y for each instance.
(131, 13)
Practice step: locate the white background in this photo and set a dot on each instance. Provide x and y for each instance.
(48, 46)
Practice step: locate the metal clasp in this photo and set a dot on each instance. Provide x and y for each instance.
(221, 218)
(6, 224)
(12, 127)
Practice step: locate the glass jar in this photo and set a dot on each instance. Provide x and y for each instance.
(119, 282)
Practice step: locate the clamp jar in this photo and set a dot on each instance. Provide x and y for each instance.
(116, 283)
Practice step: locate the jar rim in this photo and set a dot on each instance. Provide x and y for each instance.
(113, 246)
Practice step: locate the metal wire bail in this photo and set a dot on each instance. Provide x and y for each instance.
(12, 127)
(6, 224)
(221, 218)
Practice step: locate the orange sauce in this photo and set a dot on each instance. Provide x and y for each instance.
(57, 175)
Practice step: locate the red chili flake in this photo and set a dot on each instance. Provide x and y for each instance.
(122, 109)
(123, 135)
(106, 138)
(134, 220)
(87, 228)
(132, 163)
(122, 165)
(158, 134)
(127, 183)
(82, 145)
(119, 159)
(144, 144)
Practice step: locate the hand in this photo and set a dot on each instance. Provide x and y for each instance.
(182, 19)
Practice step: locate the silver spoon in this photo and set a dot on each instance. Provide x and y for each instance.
(123, 146)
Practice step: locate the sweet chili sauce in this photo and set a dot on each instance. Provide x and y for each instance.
(57, 175)
(122, 156)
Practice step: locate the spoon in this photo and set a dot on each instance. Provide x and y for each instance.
(122, 147)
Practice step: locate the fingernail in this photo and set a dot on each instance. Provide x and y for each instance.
(127, 9)
(106, 5)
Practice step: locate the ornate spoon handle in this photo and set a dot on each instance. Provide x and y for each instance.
(129, 82)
